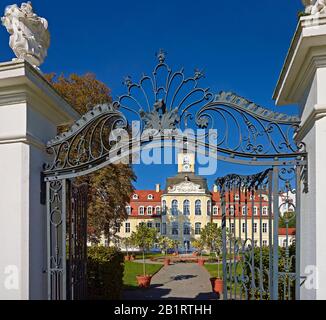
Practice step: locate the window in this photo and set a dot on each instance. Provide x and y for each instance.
(128, 210)
(164, 228)
(174, 208)
(158, 227)
(142, 223)
(264, 227)
(256, 243)
(150, 197)
(135, 196)
(255, 227)
(237, 197)
(255, 211)
(243, 228)
(285, 242)
(186, 228)
(149, 224)
(197, 228)
(186, 208)
(175, 228)
(264, 243)
(209, 207)
(265, 211)
(158, 210)
(198, 208)
(163, 207)
(141, 211)
(232, 227)
(244, 211)
(127, 227)
(231, 209)
(149, 211)
(215, 211)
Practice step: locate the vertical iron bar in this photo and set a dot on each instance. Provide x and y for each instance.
(270, 232)
(224, 255)
(275, 231)
(261, 268)
(253, 279)
(48, 236)
(298, 229)
(63, 240)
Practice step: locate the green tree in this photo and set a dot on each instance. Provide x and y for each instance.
(144, 238)
(199, 244)
(111, 187)
(165, 244)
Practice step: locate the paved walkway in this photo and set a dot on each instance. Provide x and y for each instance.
(177, 281)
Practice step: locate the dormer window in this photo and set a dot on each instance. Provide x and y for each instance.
(150, 197)
(135, 197)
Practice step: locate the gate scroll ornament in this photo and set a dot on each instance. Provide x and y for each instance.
(165, 103)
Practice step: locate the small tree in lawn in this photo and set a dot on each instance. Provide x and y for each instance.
(144, 238)
(199, 245)
(211, 236)
(175, 245)
(127, 243)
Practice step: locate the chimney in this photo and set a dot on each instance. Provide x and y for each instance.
(215, 188)
(158, 188)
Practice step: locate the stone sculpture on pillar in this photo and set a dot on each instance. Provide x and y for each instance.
(29, 35)
(313, 7)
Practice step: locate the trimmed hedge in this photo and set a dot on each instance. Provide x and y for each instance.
(105, 268)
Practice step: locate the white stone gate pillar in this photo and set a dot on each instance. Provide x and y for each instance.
(30, 111)
(303, 82)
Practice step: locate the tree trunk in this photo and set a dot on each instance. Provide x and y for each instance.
(144, 264)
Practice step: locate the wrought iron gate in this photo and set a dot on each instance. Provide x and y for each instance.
(232, 129)
(256, 266)
(77, 240)
(67, 240)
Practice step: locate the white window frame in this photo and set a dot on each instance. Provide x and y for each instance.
(243, 227)
(158, 226)
(244, 210)
(265, 211)
(150, 197)
(265, 227)
(231, 210)
(215, 211)
(255, 211)
(196, 207)
(198, 230)
(143, 210)
(149, 211)
(135, 196)
(237, 197)
(150, 225)
(255, 227)
(158, 212)
(127, 227)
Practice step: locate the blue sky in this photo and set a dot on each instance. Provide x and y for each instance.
(240, 44)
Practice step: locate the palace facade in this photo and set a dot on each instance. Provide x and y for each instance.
(186, 205)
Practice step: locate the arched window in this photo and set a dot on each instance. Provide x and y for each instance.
(215, 211)
(265, 211)
(163, 207)
(174, 210)
(186, 208)
(141, 211)
(198, 208)
(149, 211)
(197, 228)
(158, 210)
(209, 207)
(231, 210)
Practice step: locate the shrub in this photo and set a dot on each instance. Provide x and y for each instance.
(105, 270)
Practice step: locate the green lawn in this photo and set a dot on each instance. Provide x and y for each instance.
(213, 268)
(132, 269)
